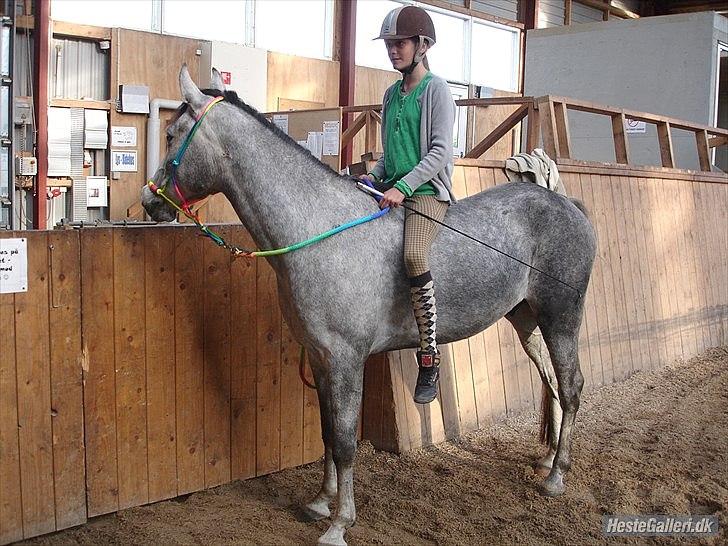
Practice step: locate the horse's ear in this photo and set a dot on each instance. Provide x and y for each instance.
(190, 92)
(216, 83)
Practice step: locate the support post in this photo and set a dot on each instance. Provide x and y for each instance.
(41, 41)
(347, 67)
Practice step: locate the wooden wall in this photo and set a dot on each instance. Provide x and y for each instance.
(301, 82)
(141, 364)
(659, 292)
(154, 60)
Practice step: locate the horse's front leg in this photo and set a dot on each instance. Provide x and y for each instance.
(346, 378)
(318, 508)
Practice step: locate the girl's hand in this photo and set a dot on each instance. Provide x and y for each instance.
(366, 177)
(392, 198)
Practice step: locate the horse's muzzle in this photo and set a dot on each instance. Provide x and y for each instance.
(157, 208)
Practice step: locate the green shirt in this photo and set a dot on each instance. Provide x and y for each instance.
(402, 153)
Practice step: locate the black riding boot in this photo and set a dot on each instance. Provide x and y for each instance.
(429, 372)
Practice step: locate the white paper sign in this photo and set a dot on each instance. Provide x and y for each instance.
(13, 265)
(96, 189)
(124, 161)
(315, 143)
(632, 126)
(123, 136)
(331, 138)
(281, 121)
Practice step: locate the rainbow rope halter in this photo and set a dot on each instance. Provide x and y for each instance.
(185, 206)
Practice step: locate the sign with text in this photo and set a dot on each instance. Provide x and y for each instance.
(124, 161)
(123, 136)
(13, 265)
(633, 126)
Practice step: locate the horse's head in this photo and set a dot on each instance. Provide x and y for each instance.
(187, 173)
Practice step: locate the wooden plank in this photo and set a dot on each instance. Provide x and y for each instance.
(669, 255)
(448, 394)
(75, 30)
(292, 401)
(80, 103)
(714, 251)
(67, 379)
(417, 418)
(638, 259)
(189, 356)
(268, 348)
(701, 141)
(664, 137)
(645, 263)
(399, 399)
(621, 144)
(11, 502)
(654, 269)
(626, 272)
(216, 327)
(595, 307)
(34, 392)
(549, 133)
(159, 272)
(684, 217)
(721, 206)
(97, 299)
(703, 278)
(609, 336)
(573, 187)
(478, 360)
(561, 119)
(499, 132)
(131, 400)
(243, 300)
(698, 282)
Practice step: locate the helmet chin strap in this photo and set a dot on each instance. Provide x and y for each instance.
(416, 59)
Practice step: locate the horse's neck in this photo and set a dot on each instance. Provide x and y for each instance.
(280, 195)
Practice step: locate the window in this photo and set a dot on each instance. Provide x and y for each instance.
(369, 17)
(461, 120)
(222, 20)
(298, 27)
(109, 13)
(494, 57)
(447, 57)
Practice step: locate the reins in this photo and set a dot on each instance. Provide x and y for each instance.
(186, 206)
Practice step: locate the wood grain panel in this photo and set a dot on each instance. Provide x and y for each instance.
(159, 271)
(130, 359)
(11, 513)
(97, 297)
(34, 392)
(189, 357)
(66, 379)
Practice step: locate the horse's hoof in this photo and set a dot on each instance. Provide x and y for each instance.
(553, 486)
(309, 514)
(334, 536)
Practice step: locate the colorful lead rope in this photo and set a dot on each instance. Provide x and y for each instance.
(186, 206)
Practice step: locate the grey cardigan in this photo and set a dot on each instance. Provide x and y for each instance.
(436, 131)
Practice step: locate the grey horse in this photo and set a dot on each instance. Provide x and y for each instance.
(347, 297)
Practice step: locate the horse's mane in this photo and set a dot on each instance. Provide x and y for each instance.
(232, 98)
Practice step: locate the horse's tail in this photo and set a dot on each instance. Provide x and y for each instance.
(545, 424)
(581, 206)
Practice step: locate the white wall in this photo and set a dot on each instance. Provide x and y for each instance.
(663, 65)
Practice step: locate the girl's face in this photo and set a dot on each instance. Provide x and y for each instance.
(401, 52)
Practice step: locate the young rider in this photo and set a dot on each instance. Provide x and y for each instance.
(418, 113)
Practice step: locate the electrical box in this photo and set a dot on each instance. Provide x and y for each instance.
(26, 166)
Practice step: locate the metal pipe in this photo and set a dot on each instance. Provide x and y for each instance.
(153, 125)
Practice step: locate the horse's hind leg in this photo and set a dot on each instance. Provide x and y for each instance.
(562, 342)
(524, 321)
(318, 508)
